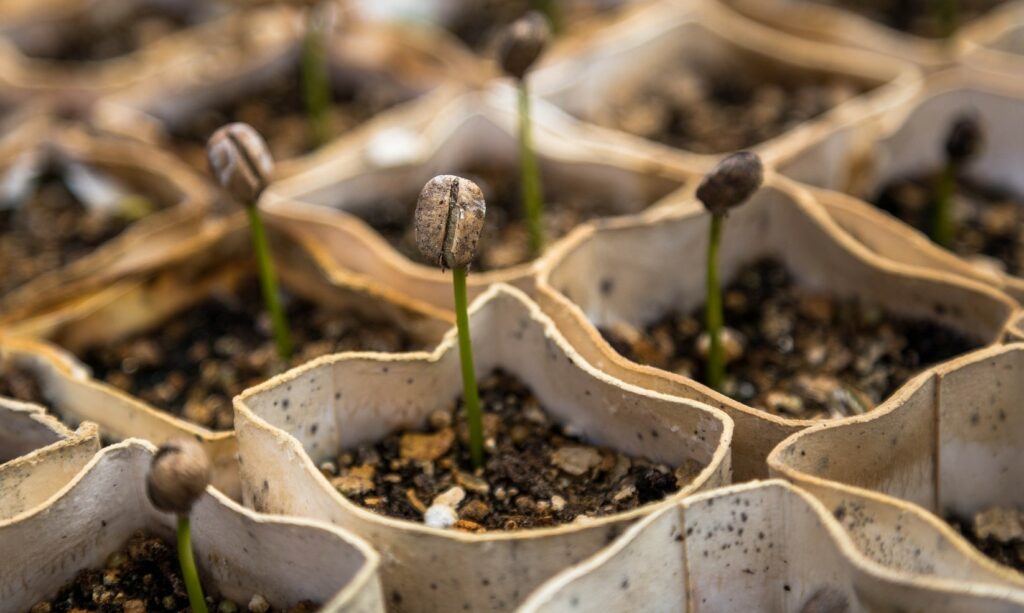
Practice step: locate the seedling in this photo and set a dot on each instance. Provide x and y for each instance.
(316, 86)
(521, 45)
(963, 142)
(449, 217)
(727, 186)
(177, 477)
(241, 163)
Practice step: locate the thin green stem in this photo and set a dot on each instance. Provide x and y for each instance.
(470, 394)
(316, 86)
(533, 206)
(188, 566)
(942, 209)
(947, 17)
(268, 282)
(713, 308)
(552, 11)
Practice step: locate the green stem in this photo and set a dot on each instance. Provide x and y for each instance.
(268, 282)
(316, 78)
(713, 308)
(533, 207)
(947, 14)
(942, 211)
(552, 11)
(470, 395)
(188, 566)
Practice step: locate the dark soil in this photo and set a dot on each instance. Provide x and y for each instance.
(505, 241)
(717, 112)
(917, 17)
(536, 474)
(988, 218)
(801, 355)
(1006, 549)
(480, 23)
(278, 112)
(51, 229)
(194, 364)
(143, 576)
(20, 384)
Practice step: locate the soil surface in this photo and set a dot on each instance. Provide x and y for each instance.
(989, 228)
(505, 239)
(50, 229)
(720, 111)
(20, 384)
(917, 17)
(195, 363)
(480, 23)
(277, 110)
(536, 473)
(795, 353)
(998, 533)
(144, 576)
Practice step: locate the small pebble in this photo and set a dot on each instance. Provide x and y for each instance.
(576, 460)
(258, 604)
(557, 503)
(440, 516)
(452, 497)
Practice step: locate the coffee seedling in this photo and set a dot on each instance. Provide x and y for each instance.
(241, 163)
(316, 85)
(178, 476)
(728, 185)
(449, 218)
(964, 140)
(522, 44)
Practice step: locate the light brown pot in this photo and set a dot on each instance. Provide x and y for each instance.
(634, 270)
(239, 553)
(633, 50)
(39, 454)
(759, 546)
(947, 442)
(340, 401)
(391, 165)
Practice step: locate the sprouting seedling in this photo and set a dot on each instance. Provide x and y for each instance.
(728, 185)
(521, 45)
(241, 163)
(964, 140)
(178, 476)
(449, 218)
(316, 86)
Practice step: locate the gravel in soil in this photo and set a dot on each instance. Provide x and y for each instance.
(989, 228)
(536, 473)
(20, 384)
(794, 352)
(718, 111)
(997, 532)
(480, 23)
(195, 363)
(917, 17)
(144, 576)
(505, 239)
(278, 112)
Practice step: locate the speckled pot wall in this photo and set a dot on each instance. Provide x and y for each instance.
(948, 442)
(239, 553)
(391, 165)
(909, 140)
(635, 270)
(763, 546)
(340, 401)
(632, 50)
(38, 454)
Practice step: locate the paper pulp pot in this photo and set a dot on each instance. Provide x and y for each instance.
(764, 546)
(311, 413)
(712, 40)
(239, 553)
(947, 444)
(636, 270)
(38, 454)
(910, 141)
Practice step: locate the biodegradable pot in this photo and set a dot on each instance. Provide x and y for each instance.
(635, 270)
(946, 443)
(996, 43)
(389, 167)
(759, 546)
(239, 553)
(39, 454)
(708, 38)
(415, 63)
(908, 141)
(818, 21)
(179, 195)
(339, 401)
